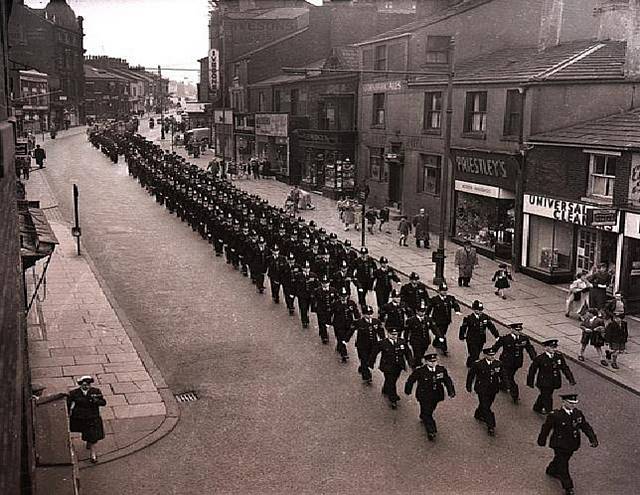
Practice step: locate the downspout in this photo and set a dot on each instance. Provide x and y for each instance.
(516, 253)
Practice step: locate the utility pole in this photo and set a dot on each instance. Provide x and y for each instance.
(75, 230)
(445, 173)
(161, 104)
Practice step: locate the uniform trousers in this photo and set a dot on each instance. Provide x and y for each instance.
(323, 321)
(510, 382)
(303, 306)
(544, 400)
(559, 467)
(382, 297)
(218, 244)
(442, 330)
(483, 411)
(474, 349)
(419, 349)
(275, 290)
(364, 353)
(289, 297)
(362, 296)
(427, 408)
(389, 386)
(340, 332)
(258, 277)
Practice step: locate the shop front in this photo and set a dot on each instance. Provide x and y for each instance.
(326, 160)
(560, 238)
(484, 201)
(630, 273)
(245, 137)
(272, 143)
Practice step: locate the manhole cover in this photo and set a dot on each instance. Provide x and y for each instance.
(187, 397)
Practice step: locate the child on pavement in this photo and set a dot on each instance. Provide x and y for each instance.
(404, 227)
(501, 278)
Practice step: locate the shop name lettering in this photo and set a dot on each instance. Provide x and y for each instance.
(564, 211)
(481, 166)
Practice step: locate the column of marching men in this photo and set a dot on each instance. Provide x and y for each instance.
(305, 264)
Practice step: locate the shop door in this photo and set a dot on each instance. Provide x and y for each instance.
(587, 249)
(395, 182)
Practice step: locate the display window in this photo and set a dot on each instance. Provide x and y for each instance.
(487, 222)
(550, 245)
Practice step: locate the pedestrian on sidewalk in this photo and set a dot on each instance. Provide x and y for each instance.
(592, 333)
(565, 425)
(84, 405)
(404, 227)
(501, 278)
(383, 215)
(371, 215)
(615, 334)
(357, 216)
(39, 155)
(421, 225)
(600, 280)
(348, 214)
(214, 167)
(544, 373)
(578, 298)
(466, 259)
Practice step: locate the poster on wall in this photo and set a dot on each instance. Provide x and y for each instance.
(634, 180)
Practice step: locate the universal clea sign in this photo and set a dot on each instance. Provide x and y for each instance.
(568, 211)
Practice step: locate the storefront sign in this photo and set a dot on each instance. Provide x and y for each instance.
(382, 87)
(482, 190)
(634, 180)
(564, 211)
(632, 225)
(493, 169)
(214, 70)
(272, 124)
(602, 218)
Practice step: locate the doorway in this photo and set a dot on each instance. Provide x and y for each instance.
(595, 247)
(395, 182)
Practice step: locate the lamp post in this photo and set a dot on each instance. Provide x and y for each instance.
(161, 104)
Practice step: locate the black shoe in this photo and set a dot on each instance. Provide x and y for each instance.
(515, 400)
(261, 290)
(445, 353)
(276, 300)
(431, 437)
(345, 359)
(394, 404)
(305, 325)
(569, 491)
(290, 312)
(368, 381)
(325, 341)
(491, 432)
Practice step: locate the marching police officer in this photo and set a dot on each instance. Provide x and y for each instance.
(485, 377)
(345, 313)
(474, 330)
(513, 346)
(274, 271)
(342, 278)
(383, 279)
(394, 314)
(545, 371)
(395, 354)
(417, 333)
(288, 276)
(413, 292)
(322, 305)
(259, 264)
(565, 425)
(432, 379)
(441, 307)
(363, 273)
(369, 333)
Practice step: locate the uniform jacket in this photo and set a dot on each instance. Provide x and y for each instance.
(394, 355)
(393, 315)
(417, 330)
(440, 309)
(484, 377)
(363, 272)
(411, 295)
(260, 260)
(474, 328)
(323, 301)
(368, 333)
(548, 371)
(383, 280)
(431, 384)
(288, 275)
(275, 267)
(341, 280)
(513, 348)
(85, 406)
(565, 430)
(345, 313)
(305, 285)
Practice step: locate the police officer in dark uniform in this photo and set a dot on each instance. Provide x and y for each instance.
(259, 264)
(417, 333)
(394, 359)
(394, 313)
(474, 330)
(565, 425)
(345, 314)
(287, 278)
(322, 305)
(432, 379)
(369, 333)
(383, 279)
(544, 372)
(274, 271)
(485, 377)
(413, 292)
(342, 278)
(305, 283)
(513, 345)
(441, 307)
(363, 273)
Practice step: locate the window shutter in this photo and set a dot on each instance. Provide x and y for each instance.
(367, 59)
(395, 57)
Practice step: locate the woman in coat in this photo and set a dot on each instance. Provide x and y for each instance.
(84, 405)
(466, 259)
(578, 298)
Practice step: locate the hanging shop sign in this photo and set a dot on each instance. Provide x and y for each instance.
(570, 212)
(482, 190)
(214, 70)
(272, 124)
(493, 169)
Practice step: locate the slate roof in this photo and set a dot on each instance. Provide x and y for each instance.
(349, 56)
(454, 10)
(94, 73)
(277, 13)
(620, 131)
(572, 61)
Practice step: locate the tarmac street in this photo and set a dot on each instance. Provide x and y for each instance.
(278, 413)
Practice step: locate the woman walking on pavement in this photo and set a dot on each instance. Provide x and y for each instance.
(592, 333)
(578, 298)
(84, 411)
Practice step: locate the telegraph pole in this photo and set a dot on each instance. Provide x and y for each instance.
(161, 104)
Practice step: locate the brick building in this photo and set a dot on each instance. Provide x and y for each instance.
(50, 40)
(30, 94)
(107, 94)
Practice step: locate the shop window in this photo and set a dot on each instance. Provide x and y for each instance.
(429, 174)
(380, 62)
(602, 175)
(327, 116)
(550, 245)
(376, 163)
(513, 113)
(437, 50)
(432, 111)
(378, 118)
(475, 112)
(487, 222)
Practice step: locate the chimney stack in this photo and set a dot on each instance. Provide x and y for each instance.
(550, 23)
(425, 8)
(613, 20)
(632, 61)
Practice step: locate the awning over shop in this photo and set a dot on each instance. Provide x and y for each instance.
(37, 239)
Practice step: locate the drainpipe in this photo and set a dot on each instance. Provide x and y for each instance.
(516, 253)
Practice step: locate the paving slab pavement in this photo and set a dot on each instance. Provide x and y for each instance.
(539, 306)
(75, 328)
